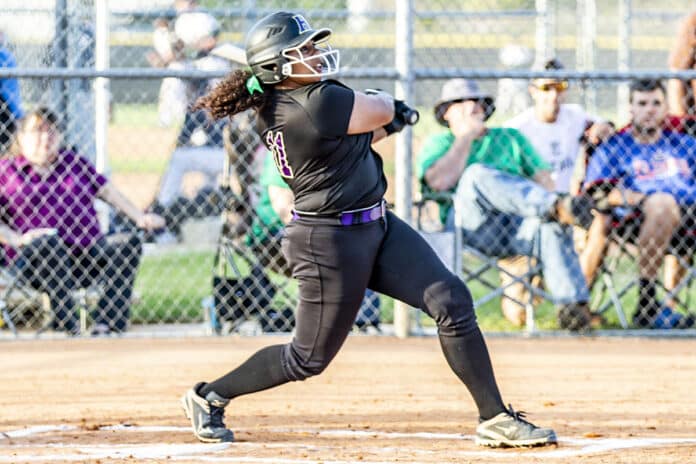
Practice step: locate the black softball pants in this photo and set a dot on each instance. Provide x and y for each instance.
(333, 265)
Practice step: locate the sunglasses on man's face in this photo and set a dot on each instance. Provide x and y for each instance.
(548, 86)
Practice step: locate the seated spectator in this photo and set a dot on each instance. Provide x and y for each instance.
(199, 145)
(167, 48)
(555, 129)
(10, 99)
(652, 172)
(50, 228)
(504, 194)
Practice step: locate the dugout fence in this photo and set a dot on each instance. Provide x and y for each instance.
(86, 60)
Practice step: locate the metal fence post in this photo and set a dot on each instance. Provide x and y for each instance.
(404, 90)
(101, 100)
(623, 57)
(101, 85)
(587, 38)
(545, 20)
(59, 58)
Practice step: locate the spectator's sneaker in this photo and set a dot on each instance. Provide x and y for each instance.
(207, 415)
(666, 318)
(578, 317)
(509, 429)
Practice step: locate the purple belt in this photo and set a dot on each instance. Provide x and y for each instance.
(349, 218)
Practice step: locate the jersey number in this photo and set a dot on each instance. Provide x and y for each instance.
(275, 143)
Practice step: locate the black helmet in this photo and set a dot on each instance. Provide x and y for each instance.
(272, 37)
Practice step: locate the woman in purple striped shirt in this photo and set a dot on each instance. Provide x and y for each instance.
(50, 229)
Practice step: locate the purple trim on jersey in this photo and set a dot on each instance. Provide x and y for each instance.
(275, 143)
(668, 165)
(62, 199)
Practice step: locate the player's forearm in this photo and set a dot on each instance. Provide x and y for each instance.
(378, 134)
(445, 173)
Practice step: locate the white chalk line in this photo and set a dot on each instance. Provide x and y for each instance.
(36, 430)
(569, 447)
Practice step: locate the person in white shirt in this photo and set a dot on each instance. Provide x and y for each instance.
(556, 130)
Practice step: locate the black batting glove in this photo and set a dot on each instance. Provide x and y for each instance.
(404, 116)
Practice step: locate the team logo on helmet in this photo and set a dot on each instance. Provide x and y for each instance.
(302, 23)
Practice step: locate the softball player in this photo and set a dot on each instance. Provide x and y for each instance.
(342, 239)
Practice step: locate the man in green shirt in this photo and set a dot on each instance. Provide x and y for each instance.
(503, 195)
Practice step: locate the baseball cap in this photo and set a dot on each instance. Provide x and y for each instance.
(456, 90)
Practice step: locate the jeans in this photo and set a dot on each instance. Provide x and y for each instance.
(504, 215)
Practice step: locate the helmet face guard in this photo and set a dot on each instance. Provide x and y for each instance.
(329, 58)
(274, 45)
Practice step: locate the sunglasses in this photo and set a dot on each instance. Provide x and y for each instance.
(558, 86)
(481, 101)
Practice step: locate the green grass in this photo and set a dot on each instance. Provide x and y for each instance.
(172, 285)
(139, 166)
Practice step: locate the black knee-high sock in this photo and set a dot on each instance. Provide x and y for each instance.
(468, 357)
(261, 371)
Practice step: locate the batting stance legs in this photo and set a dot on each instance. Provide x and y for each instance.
(333, 265)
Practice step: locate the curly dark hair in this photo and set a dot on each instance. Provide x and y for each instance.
(231, 96)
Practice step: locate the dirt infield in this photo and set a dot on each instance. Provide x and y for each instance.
(383, 400)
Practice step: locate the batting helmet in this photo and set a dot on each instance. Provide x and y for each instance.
(271, 39)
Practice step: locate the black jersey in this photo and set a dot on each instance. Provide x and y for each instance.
(327, 170)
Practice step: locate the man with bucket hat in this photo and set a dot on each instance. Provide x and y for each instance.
(503, 194)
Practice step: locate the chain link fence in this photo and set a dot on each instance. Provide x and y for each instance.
(120, 78)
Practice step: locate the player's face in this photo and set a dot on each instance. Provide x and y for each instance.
(548, 94)
(39, 142)
(310, 67)
(648, 110)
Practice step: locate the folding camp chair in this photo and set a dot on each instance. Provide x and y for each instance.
(22, 306)
(611, 287)
(243, 291)
(473, 266)
(242, 288)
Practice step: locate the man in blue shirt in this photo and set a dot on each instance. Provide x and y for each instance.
(654, 171)
(10, 100)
